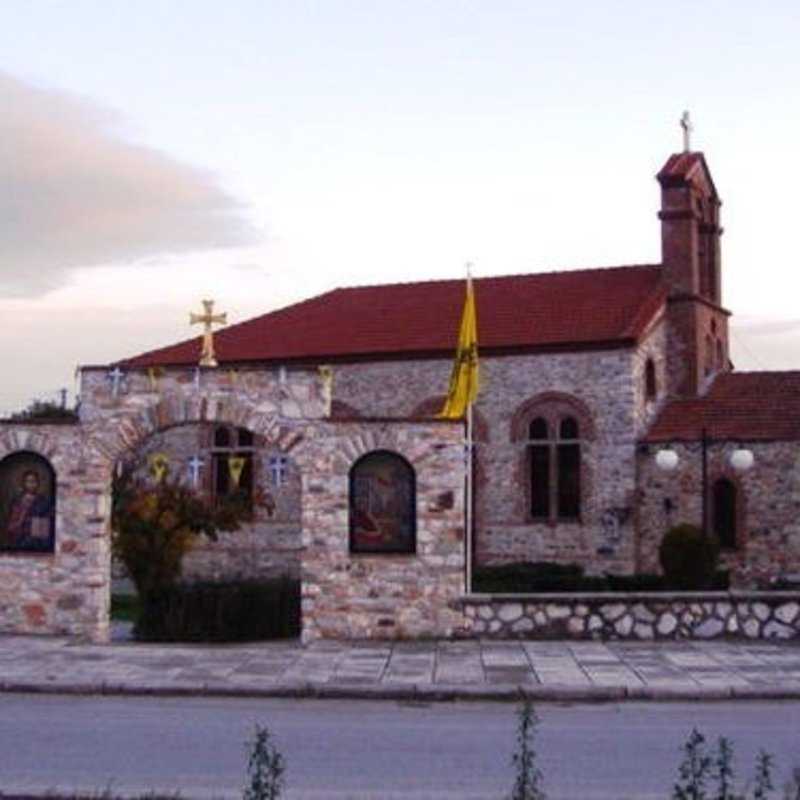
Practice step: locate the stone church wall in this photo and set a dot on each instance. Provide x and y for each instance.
(768, 506)
(358, 596)
(66, 591)
(604, 382)
(652, 347)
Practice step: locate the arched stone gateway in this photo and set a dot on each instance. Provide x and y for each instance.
(345, 593)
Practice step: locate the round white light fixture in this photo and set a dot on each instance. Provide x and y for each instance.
(667, 460)
(741, 459)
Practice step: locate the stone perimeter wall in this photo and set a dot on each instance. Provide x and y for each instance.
(67, 591)
(634, 616)
(358, 596)
(344, 595)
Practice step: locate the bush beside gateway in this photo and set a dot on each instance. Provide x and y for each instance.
(547, 577)
(235, 611)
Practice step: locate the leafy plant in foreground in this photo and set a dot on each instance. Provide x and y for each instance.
(265, 768)
(698, 766)
(528, 782)
(694, 770)
(723, 764)
(763, 781)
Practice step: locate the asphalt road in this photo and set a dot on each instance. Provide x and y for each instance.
(361, 749)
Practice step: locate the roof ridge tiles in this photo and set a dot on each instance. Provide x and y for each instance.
(563, 271)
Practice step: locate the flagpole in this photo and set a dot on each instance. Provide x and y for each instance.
(469, 488)
(468, 500)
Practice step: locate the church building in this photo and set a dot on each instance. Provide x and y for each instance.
(585, 376)
(608, 412)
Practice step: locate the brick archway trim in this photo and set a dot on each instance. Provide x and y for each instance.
(111, 440)
(546, 403)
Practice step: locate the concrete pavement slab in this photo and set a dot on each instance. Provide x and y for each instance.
(416, 670)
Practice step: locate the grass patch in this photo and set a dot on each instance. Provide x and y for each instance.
(124, 607)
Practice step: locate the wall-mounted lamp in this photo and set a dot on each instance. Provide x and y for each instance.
(741, 459)
(667, 460)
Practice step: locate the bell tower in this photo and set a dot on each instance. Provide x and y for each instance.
(690, 256)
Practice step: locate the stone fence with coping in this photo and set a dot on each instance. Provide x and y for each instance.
(634, 616)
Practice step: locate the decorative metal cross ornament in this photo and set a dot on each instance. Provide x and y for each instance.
(278, 467)
(208, 319)
(115, 376)
(686, 124)
(195, 465)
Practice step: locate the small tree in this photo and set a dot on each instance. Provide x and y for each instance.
(528, 782)
(265, 768)
(156, 522)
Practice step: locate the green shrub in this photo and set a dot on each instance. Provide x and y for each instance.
(688, 558)
(234, 611)
(265, 768)
(538, 576)
(547, 577)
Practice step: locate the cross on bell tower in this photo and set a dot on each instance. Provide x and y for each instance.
(688, 128)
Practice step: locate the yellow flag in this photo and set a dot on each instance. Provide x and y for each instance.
(235, 469)
(464, 378)
(159, 466)
(153, 374)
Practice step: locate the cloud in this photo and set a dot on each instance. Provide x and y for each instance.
(76, 194)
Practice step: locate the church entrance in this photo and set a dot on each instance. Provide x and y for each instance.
(207, 514)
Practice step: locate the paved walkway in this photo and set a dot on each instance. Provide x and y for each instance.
(441, 670)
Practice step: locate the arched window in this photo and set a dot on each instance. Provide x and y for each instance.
(383, 512)
(552, 430)
(724, 502)
(555, 468)
(650, 385)
(709, 355)
(27, 503)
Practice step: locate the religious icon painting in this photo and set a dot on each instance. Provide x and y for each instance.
(383, 517)
(27, 503)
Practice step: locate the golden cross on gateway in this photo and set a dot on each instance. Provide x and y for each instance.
(208, 319)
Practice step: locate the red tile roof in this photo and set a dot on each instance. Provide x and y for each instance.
(583, 308)
(740, 405)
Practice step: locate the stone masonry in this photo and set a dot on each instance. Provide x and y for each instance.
(642, 616)
(360, 596)
(343, 594)
(768, 543)
(605, 382)
(68, 591)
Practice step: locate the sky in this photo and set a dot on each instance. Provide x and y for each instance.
(153, 154)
